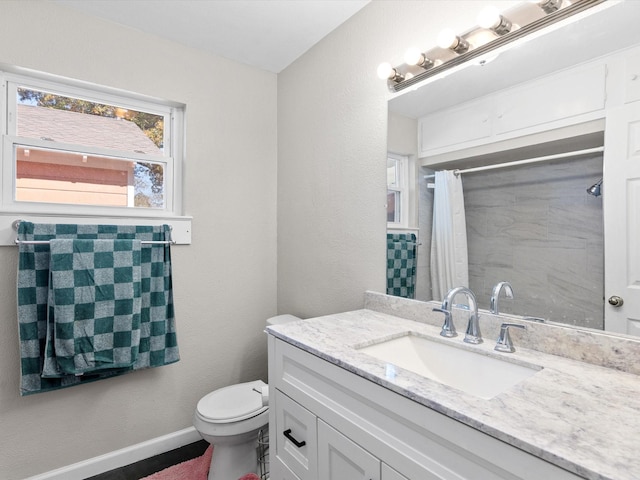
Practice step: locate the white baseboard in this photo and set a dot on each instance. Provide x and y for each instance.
(122, 457)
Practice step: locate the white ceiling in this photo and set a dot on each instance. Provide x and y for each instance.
(268, 34)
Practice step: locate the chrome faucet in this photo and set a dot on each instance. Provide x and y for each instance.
(505, 344)
(495, 295)
(472, 334)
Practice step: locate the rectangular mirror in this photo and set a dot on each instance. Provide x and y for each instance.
(561, 230)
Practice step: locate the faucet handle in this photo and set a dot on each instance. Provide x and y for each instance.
(504, 343)
(448, 328)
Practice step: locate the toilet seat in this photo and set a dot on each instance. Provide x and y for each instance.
(233, 403)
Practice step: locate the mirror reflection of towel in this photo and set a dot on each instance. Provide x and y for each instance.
(401, 264)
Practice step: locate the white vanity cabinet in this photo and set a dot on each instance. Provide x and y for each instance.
(308, 448)
(354, 429)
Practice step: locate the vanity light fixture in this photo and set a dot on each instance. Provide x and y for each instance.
(413, 56)
(491, 19)
(448, 39)
(477, 43)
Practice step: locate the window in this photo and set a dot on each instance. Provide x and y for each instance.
(88, 150)
(397, 190)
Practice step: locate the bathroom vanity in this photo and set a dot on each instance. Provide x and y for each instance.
(342, 408)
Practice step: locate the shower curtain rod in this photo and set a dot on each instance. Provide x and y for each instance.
(531, 160)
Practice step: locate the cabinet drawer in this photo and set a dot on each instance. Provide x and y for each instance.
(296, 437)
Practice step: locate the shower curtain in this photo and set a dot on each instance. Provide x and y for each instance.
(449, 260)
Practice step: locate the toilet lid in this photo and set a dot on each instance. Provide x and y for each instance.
(233, 403)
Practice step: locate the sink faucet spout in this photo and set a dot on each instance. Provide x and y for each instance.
(495, 295)
(472, 334)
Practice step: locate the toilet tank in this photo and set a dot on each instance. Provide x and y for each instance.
(280, 319)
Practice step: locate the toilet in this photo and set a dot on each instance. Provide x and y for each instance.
(230, 418)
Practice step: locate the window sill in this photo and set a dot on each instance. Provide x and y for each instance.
(180, 233)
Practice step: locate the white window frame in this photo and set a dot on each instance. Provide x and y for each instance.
(402, 187)
(171, 157)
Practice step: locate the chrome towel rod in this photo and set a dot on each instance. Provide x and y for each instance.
(16, 223)
(46, 242)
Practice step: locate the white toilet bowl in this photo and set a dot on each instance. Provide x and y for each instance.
(230, 419)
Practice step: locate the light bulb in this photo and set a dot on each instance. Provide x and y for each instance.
(413, 56)
(489, 18)
(447, 39)
(385, 71)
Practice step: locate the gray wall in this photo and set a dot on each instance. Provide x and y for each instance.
(225, 282)
(536, 227)
(332, 130)
(425, 215)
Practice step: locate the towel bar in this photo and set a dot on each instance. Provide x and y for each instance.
(16, 224)
(143, 242)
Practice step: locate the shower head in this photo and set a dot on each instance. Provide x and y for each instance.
(595, 189)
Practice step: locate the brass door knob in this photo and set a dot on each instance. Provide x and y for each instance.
(616, 301)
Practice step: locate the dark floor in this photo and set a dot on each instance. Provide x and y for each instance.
(146, 467)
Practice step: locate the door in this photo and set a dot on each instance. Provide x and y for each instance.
(340, 459)
(621, 197)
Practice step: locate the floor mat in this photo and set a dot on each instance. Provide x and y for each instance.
(195, 469)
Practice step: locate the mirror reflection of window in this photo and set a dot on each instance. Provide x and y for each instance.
(397, 190)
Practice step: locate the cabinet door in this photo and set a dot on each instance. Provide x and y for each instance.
(296, 437)
(461, 124)
(389, 473)
(340, 459)
(553, 98)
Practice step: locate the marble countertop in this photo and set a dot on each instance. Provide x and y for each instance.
(581, 417)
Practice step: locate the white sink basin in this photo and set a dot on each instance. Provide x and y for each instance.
(471, 372)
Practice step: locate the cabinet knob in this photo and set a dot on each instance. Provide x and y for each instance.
(616, 301)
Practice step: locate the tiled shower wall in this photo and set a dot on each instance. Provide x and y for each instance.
(536, 227)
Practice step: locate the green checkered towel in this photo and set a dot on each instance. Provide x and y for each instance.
(401, 264)
(157, 343)
(94, 306)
